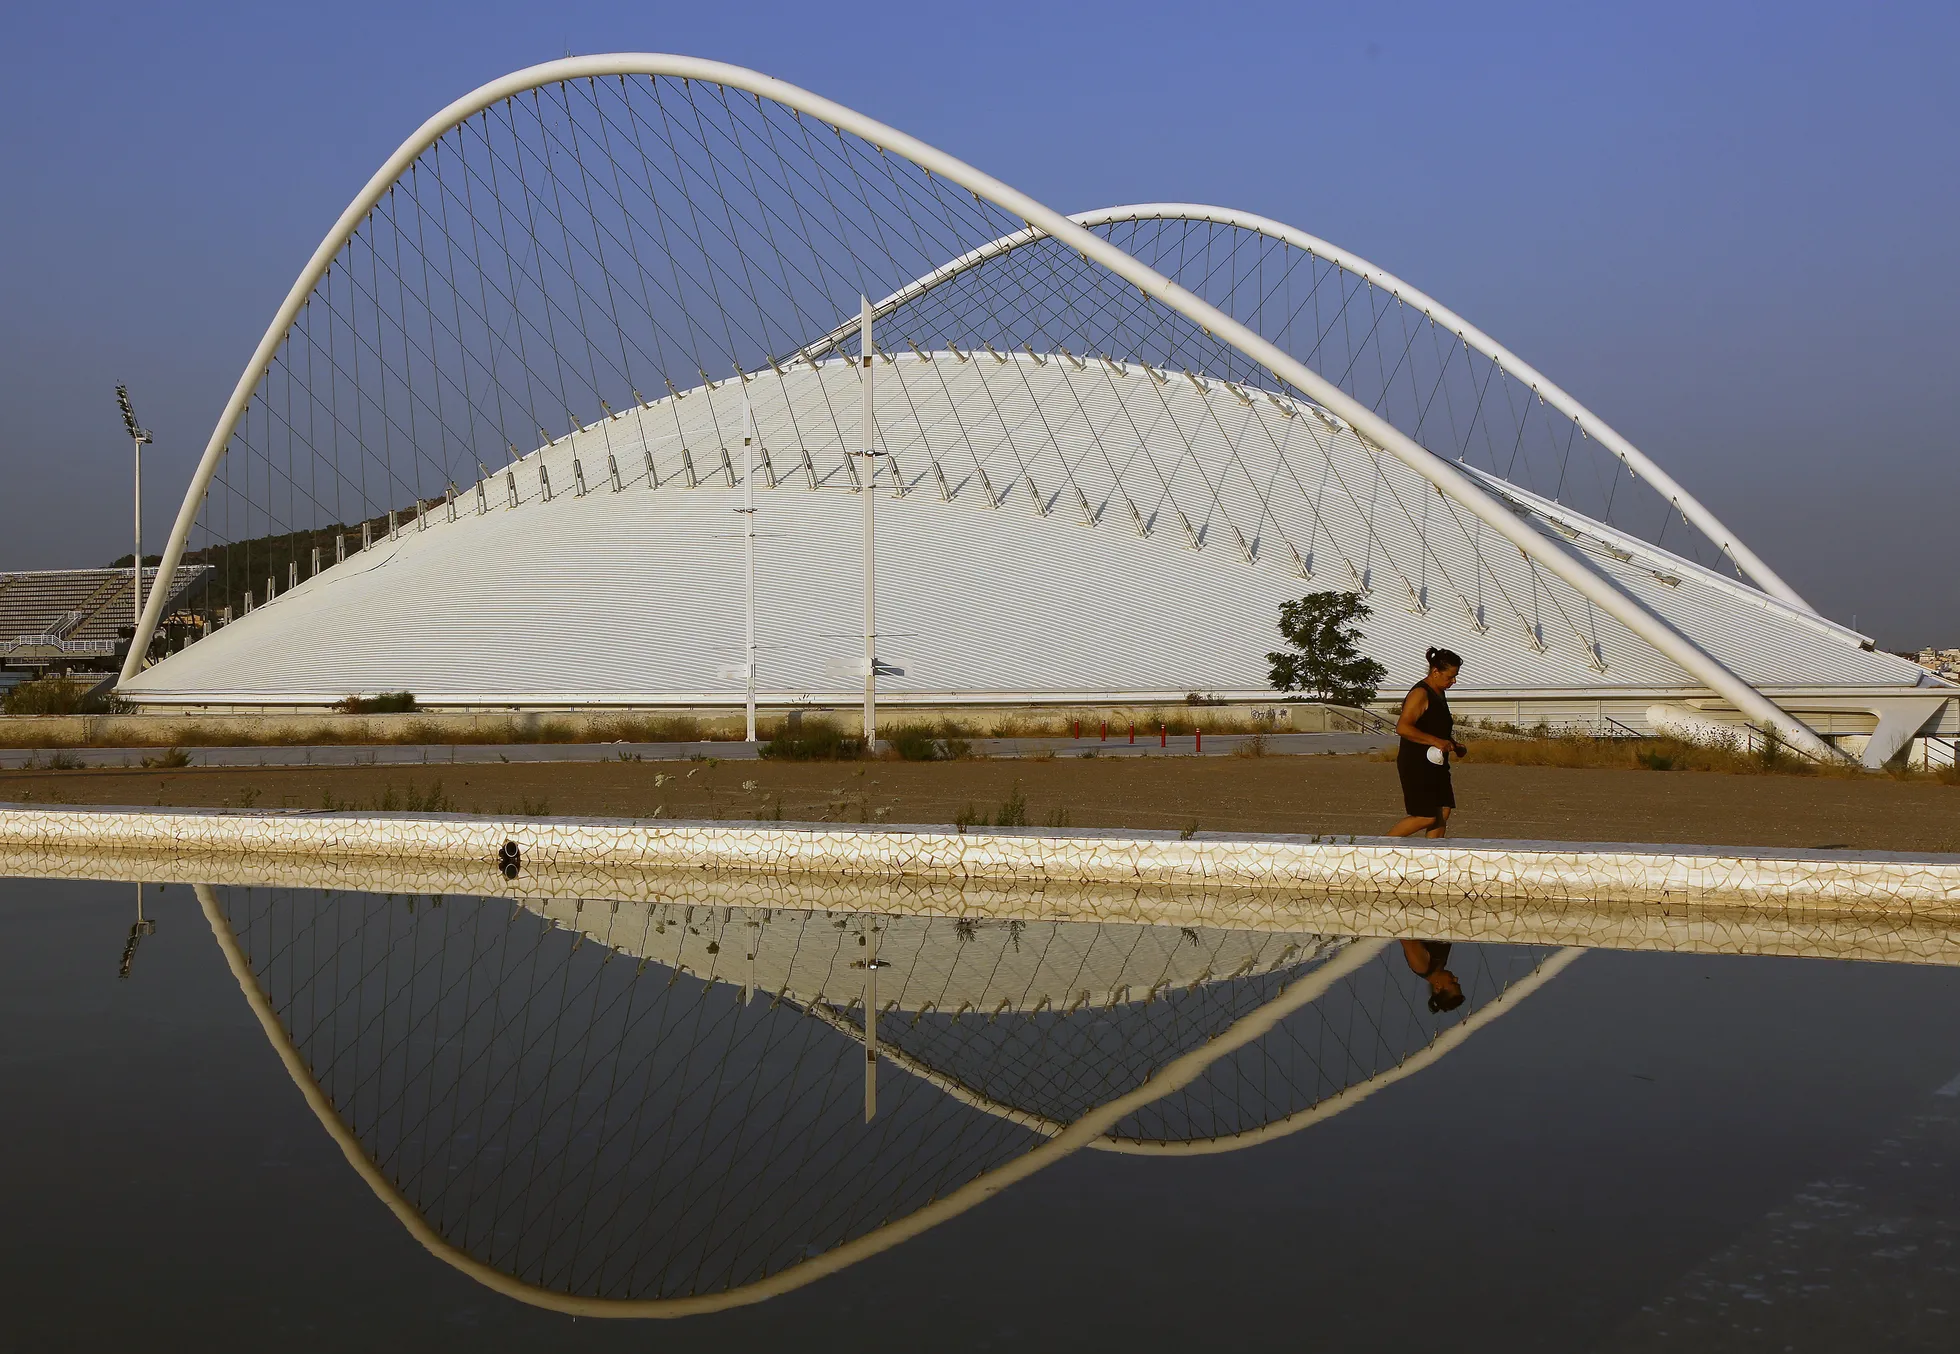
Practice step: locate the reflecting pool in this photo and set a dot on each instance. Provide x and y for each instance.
(747, 1113)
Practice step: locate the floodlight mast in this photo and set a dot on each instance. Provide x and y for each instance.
(138, 435)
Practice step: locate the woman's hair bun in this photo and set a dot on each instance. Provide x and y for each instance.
(1441, 658)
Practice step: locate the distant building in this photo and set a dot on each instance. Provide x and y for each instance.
(1940, 662)
(78, 620)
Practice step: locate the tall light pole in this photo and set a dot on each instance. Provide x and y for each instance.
(748, 540)
(868, 434)
(137, 435)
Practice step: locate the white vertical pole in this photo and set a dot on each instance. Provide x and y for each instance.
(868, 431)
(870, 1013)
(138, 570)
(748, 539)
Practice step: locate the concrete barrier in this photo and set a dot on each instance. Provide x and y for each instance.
(1927, 886)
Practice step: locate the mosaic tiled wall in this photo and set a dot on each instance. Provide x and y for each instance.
(1814, 928)
(1407, 870)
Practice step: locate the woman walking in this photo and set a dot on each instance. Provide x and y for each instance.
(1423, 758)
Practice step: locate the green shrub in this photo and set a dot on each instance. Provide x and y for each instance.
(1013, 809)
(818, 740)
(58, 696)
(1771, 753)
(924, 743)
(913, 743)
(414, 800)
(387, 703)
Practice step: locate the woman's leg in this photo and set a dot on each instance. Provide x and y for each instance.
(1409, 826)
(1442, 822)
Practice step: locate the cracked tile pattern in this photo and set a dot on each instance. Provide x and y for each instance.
(1412, 872)
(1816, 929)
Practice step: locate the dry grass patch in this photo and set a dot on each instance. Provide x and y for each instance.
(1660, 754)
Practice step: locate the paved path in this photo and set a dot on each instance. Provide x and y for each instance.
(464, 754)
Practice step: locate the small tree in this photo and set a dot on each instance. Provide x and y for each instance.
(1325, 663)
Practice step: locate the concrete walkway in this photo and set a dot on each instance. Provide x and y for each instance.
(467, 754)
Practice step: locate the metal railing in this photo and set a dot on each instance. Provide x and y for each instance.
(1354, 719)
(49, 641)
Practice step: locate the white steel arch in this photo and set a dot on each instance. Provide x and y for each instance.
(1357, 954)
(1595, 427)
(1449, 479)
(1087, 1131)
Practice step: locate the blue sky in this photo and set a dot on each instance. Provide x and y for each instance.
(1728, 228)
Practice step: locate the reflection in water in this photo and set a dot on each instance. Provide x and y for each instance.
(139, 928)
(650, 1108)
(1850, 930)
(1429, 960)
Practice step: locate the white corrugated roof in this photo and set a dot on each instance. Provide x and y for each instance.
(936, 962)
(1026, 575)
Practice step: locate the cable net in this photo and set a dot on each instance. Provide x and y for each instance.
(603, 1100)
(586, 286)
(1432, 384)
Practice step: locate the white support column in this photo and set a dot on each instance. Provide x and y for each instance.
(870, 1018)
(868, 486)
(1898, 721)
(748, 544)
(138, 570)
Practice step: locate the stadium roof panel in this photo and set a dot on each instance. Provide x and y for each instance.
(998, 583)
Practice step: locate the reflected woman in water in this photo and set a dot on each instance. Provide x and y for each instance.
(1428, 960)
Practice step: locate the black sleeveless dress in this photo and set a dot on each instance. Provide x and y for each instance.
(1426, 786)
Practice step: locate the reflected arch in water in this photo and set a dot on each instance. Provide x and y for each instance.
(600, 1133)
(1098, 1005)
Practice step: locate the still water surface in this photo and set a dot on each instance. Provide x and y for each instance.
(325, 1120)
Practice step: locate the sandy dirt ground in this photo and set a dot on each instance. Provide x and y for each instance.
(1326, 794)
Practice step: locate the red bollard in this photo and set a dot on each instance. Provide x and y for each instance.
(1163, 736)
(1105, 731)
(1133, 733)
(1199, 734)
(1075, 728)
